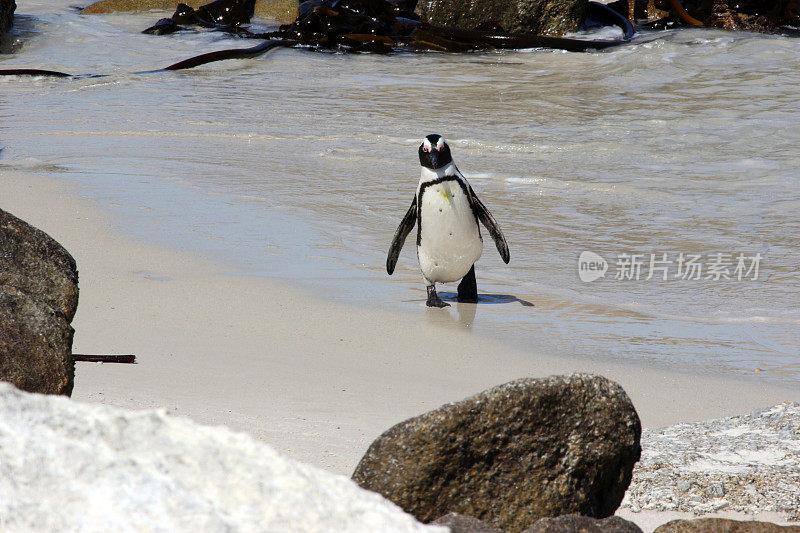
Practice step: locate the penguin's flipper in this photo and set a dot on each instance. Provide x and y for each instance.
(488, 220)
(406, 225)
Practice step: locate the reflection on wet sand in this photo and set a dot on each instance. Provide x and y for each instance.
(488, 298)
(445, 316)
(466, 311)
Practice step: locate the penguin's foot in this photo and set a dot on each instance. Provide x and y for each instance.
(433, 298)
(468, 288)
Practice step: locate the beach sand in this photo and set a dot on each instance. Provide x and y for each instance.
(316, 380)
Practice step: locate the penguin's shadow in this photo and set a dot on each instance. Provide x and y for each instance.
(488, 299)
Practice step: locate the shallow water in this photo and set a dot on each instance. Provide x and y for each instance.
(300, 165)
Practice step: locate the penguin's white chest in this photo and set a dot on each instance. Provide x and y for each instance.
(450, 241)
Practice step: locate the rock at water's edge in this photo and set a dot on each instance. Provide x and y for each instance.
(7, 8)
(38, 298)
(723, 525)
(512, 454)
(573, 523)
(542, 17)
(283, 11)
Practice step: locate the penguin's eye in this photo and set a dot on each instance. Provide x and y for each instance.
(426, 148)
(440, 145)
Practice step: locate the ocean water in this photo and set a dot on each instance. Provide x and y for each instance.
(678, 151)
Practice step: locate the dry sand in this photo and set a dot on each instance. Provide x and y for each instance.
(316, 380)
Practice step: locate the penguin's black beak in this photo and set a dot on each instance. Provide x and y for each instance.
(435, 157)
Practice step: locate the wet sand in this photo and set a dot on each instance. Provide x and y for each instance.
(314, 379)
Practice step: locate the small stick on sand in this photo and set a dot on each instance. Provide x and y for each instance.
(128, 358)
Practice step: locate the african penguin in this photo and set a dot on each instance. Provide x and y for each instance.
(446, 211)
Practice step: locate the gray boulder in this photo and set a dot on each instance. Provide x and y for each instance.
(574, 523)
(458, 523)
(38, 299)
(36, 264)
(510, 455)
(543, 17)
(723, 525)
(35, 345)
(7, 8)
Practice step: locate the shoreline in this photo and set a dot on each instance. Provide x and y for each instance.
(315, 379)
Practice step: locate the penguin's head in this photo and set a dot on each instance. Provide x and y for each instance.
(434, 152)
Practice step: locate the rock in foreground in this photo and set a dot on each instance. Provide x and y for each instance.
(723, 525)
(458, 523)
(66, 466)
(747, 463)
(573, 523)
(542, 17)
(38, 298)
(512, 454)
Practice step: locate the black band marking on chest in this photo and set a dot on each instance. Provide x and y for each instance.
(437, 181)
